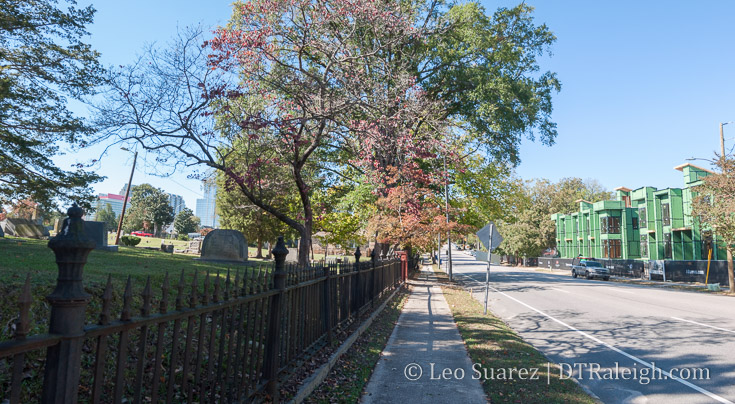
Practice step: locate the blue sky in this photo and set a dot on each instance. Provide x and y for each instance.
(644, 85)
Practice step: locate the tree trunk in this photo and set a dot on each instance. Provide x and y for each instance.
(260, 248)
(305, 244)
(730, 274)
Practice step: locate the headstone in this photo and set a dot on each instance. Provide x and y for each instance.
(97, 231)
(194, 247)
(224, 246)
(293, 255)
(57, 225)
(23, 228)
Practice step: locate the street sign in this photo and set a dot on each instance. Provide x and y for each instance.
(489, 237)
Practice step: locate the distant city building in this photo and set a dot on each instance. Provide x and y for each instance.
(124, 189)
(176, 202)
(115, 201)
(205, 209)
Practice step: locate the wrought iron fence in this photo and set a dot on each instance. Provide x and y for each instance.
(223, 338)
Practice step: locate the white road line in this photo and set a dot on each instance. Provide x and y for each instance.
(704, 325)
(621, 290)
(561, 290)
(641, 361)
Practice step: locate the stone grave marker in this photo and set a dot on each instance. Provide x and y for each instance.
(293, 255)
(23, 228)
(97, 231)
(224, 246)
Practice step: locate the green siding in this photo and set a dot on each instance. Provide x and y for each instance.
(581, 232)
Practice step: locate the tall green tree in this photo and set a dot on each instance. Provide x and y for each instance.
(185, 222)
(107, 215)
(528, 229)
(714, 206)
(43, 63)
(484, 69)
(148, 205)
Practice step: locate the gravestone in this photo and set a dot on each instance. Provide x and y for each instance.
(293, 255)
(195, 246)
(97, 231)
(23, 228)
(224, 246)
(57, 225)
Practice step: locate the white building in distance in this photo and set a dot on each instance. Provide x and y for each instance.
(205, 209)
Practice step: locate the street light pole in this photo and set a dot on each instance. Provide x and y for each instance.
(125, 201)
(446, 203)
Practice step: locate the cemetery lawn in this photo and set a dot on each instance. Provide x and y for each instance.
(20, 257)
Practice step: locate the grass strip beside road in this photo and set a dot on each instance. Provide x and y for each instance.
(497, 348)
(347, 380)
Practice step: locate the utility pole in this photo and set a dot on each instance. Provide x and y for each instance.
(446, 203)
(722, 139)
(125, 201)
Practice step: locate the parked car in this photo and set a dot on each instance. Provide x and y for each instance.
(589, 268)
(141, 234)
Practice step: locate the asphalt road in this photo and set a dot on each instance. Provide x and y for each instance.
(651, 345)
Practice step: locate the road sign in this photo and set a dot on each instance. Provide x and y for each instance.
(489, 237)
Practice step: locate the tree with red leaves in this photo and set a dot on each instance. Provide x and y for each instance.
(297, 83)
(365, 92)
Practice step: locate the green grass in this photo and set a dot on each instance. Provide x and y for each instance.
(21, 257)
(496, 346)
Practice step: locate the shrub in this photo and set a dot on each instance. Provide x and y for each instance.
(130, 241)
(183, 237)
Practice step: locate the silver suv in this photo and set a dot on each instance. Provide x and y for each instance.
(590, 269)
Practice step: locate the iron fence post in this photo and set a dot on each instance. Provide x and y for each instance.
(68, 303)
(373, 261)
(358, 289)
(273, 340)
(327, 291)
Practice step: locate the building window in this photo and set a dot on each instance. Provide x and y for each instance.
(642, 217)
(610, 248)
(615, 249)
(667, 246)
(603, 225)
(644, 245)
(613, 225)
(634, 222)
(665, 212)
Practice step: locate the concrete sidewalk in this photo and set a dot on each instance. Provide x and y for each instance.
(425, 360)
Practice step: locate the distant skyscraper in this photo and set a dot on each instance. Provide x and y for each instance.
(205, 209)
(115, 201)
(176, 202)
(125, 188)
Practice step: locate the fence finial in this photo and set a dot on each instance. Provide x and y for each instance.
(68, 303)
(280, 252)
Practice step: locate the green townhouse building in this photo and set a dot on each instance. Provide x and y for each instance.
(646, 224)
